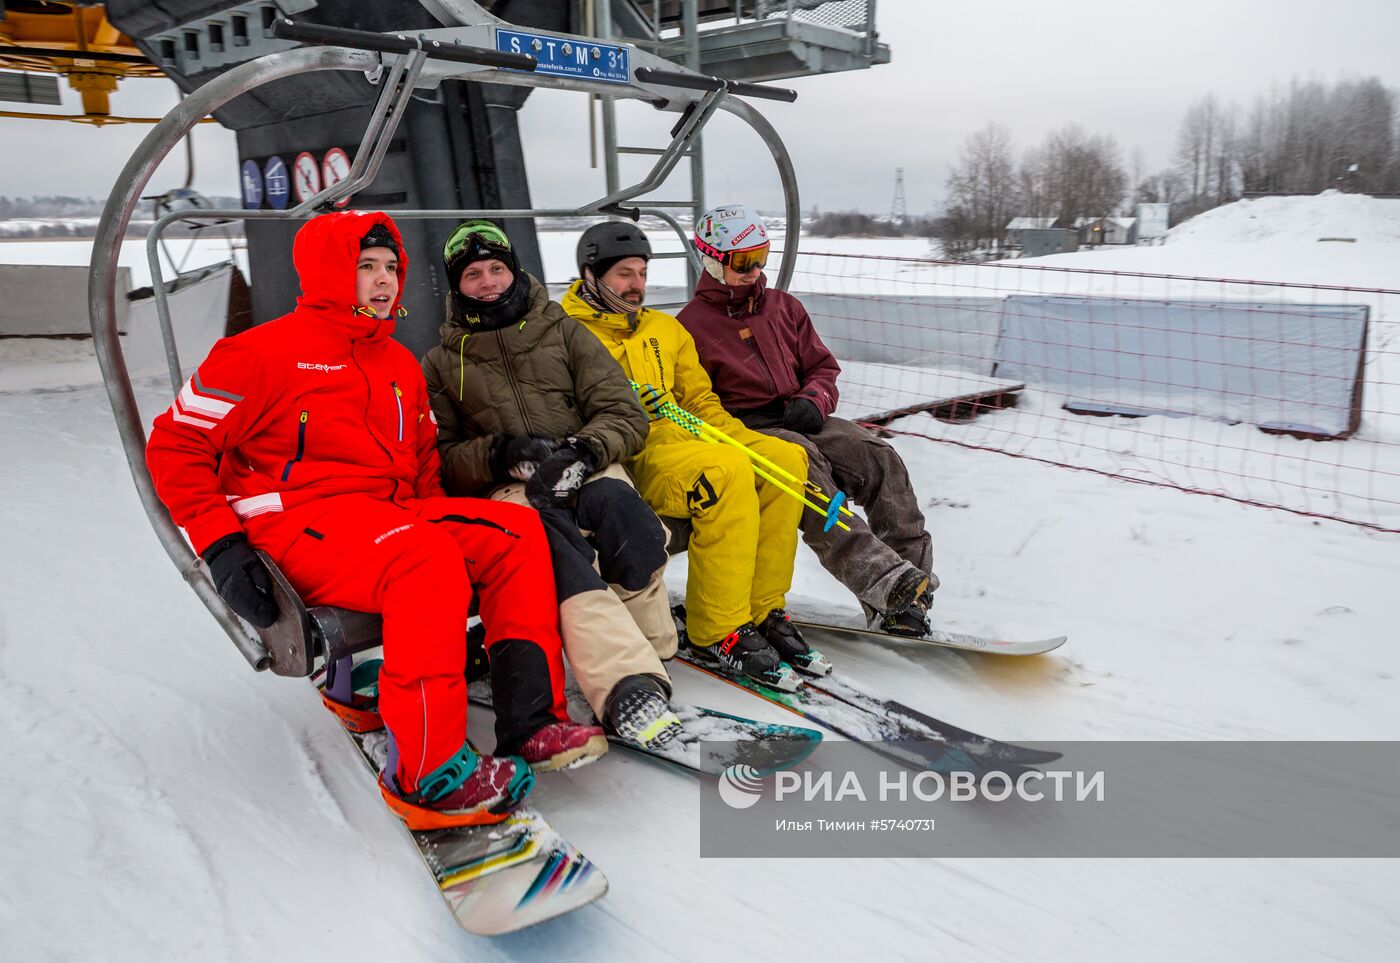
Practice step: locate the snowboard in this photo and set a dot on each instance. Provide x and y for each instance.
(494, 878)
(501, 877)
(766, 746)
(825, 631)
(891, 728)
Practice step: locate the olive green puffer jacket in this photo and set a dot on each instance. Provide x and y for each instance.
(545, 375)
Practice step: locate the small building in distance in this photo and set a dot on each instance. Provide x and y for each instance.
(1016, 227)
(1040, 241)
(1094, 231)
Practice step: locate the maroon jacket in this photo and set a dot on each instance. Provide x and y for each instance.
(759, 347)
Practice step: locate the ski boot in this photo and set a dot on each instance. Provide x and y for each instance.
(352, 693)
(907, 612)
(746, 652)
(638, 712)
(787, 640)
(469, 789)
(564, 745)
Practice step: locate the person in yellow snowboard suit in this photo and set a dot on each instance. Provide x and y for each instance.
(743, 530)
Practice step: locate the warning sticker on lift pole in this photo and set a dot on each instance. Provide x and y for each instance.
(306, 177)
(569, 56)
(335, 167)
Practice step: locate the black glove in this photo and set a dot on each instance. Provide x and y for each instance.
(242, 579)
(803, 417)
(561, 475)
(516, 456)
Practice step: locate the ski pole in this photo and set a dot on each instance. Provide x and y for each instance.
(701, 429)
(696, 424)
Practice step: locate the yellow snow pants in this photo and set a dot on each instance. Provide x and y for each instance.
(744, 530)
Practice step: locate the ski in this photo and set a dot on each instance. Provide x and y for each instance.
(891, 728)
(825, 631)
(765, 746)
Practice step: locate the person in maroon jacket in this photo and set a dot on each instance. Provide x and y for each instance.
(311, 438)
(772, 371)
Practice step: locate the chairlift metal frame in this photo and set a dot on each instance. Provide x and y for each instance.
(399, 64)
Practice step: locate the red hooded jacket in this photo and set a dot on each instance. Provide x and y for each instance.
(759, 347)
(321, 401)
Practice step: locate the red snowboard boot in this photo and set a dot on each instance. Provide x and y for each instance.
(467, 790)
(564, 745)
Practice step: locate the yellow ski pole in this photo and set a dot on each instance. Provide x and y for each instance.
(696, 425)
(810, 486)
(701, 429)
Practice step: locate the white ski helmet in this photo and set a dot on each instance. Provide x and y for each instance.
(730, 228)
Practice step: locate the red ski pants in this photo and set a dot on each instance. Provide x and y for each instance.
(418, 564)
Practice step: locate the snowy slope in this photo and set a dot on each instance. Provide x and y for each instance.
(1270, 239)
(165, 802)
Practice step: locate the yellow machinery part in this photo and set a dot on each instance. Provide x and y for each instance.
(70, 31)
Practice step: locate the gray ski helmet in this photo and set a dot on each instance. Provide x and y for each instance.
(603, 245)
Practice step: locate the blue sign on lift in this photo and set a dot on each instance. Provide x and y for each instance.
(252, 181)
(277, 183)
(569, 56)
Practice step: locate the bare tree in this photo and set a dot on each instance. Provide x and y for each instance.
(982, 186)
(1031, 184)
(1081, 175)
(1207, 154)
(1164, 187)
(1314, 137)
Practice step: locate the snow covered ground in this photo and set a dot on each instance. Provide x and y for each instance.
(165, 802)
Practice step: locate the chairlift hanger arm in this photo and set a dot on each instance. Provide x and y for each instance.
(693, 81)
(661, 82)
(448, 50)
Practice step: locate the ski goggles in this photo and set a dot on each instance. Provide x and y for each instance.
(742, 262)
(478, 236)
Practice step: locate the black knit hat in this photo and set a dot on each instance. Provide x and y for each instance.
(379, 236)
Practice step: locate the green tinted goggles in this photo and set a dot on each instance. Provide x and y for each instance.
(482, 232)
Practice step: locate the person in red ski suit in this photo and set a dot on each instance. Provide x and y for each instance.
(311, 438)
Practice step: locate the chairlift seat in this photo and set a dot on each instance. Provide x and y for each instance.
(301, 634)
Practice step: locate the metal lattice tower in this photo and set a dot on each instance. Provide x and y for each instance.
(899, 212)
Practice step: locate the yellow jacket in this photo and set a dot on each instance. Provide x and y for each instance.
(659, 351)
(744, 535)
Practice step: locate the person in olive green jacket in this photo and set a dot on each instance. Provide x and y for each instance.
(530, 407)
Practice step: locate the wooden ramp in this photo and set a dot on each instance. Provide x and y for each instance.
(877, 393)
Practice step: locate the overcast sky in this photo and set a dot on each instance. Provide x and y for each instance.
(1127, 68)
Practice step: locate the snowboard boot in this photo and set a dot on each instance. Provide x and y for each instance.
(637, 711)
(746, 652)
(909, 603)
(469, 789)
(787, 640)
(564, 745)
(352, 693)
